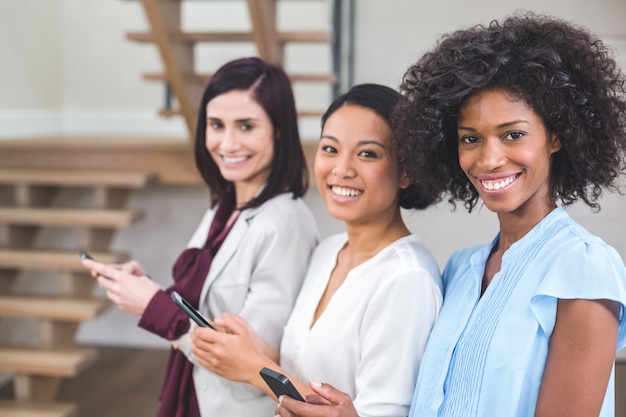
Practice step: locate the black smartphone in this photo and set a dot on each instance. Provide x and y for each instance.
(85, 255)
(280, 384)
(190, 310)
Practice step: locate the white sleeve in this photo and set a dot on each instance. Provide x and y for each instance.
(395, 329)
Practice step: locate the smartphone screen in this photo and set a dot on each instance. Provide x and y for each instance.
(190, 310)
(280, 384)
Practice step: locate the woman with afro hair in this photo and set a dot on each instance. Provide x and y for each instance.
(522, 114)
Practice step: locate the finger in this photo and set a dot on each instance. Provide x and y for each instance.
(287, 406)
(89, 264)
(329, 393)
(205, 338)
(111, 272)
(132, 267)
(105, 283)
(96, 267)
(218, 326)
(282, 411)
(233, 324)
(316, 399)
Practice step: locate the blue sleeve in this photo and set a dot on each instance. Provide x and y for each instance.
(588, 270)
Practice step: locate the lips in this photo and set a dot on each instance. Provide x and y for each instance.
(498, 184)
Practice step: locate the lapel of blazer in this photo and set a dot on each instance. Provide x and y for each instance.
(228, 248)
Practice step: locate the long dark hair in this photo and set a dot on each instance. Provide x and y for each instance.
(271, 88)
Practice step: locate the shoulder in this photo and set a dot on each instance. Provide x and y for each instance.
(331, 244)
(576, 263)
(408, 259)
(572, 245)
(411, 252)
(279, 207)
(281, 214)
(461, 258)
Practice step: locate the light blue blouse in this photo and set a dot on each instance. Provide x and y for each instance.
(486, 355)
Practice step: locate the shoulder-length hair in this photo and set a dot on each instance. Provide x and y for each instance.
(271, 88)
(561, 71)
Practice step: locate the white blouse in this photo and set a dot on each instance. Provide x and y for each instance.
(369, 340)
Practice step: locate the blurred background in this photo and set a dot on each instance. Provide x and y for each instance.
(97, 84)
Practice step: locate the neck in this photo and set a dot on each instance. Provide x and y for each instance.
(514, 226)
(365, 240)
(243, 195)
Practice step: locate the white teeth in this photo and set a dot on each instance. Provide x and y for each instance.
(496, 185)
(346, 192)
(234, 159)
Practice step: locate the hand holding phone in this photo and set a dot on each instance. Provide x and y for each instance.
(280, 384)
(190, 310)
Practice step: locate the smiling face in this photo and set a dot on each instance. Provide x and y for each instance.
(505, 150)
(355, 166)
(240, 139)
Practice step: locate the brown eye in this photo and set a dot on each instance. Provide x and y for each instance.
(468, 139)
(514, 135)
(368, 154)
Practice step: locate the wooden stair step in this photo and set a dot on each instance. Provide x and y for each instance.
(52, 308)
(202, 78)
(35, 259)
(199, 37)
(76, 178)
(100, 218)
(46, 362)
(37, 409)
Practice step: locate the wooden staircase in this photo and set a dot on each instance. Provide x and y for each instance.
(62, 194)
(29, 207)
(177, 48)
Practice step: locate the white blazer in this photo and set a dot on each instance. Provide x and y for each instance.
(257, 274)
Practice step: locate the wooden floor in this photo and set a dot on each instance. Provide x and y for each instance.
(124, 382)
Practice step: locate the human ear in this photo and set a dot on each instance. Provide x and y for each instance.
(405, 180)
(555, 143)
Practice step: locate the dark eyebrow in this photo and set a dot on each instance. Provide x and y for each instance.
(244, 120)
(500, 126)
(361, 142)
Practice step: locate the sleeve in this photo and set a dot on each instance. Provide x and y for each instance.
(585, 270)
(395, 329)
(161, 316)
(284, 248)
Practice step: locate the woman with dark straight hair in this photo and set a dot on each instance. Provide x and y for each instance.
(271, 89)
(249, 254)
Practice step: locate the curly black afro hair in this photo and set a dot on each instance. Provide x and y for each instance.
(560, 70)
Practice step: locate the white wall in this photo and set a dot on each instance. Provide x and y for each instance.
(65, 67)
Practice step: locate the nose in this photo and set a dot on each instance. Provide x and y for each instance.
(343, 167)
(228, 140)
(491, 155)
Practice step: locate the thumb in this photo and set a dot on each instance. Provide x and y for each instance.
(231, 324)
(329, 393)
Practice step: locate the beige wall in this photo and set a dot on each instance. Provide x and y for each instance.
(66, 68)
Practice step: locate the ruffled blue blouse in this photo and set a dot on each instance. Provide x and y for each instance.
(486, 355)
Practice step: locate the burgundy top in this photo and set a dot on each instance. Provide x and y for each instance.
(164, 318)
